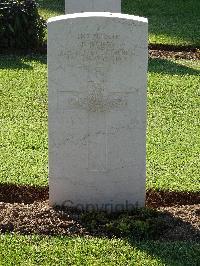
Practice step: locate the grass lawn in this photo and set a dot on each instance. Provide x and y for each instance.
(173, 136)
(173, 22)
(23, 134)
(36, 250)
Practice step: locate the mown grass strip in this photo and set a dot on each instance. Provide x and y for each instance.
(36, 250)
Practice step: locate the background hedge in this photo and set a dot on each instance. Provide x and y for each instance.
(21, 26)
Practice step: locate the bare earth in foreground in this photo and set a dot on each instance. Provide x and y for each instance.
(26, 210)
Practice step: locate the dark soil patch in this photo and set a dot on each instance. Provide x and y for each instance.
(167, 216)
(173, 48)
(188, 222)
(188, 55)
(22, 194)
(156, 199)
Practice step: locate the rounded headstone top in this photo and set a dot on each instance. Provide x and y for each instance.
(98, 14)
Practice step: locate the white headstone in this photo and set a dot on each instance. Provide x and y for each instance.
(97, 82)
(77, 6)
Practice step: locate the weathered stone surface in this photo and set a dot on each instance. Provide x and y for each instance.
(97, 66)
(77, 6)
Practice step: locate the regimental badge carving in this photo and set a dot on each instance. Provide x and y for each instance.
(95, 100)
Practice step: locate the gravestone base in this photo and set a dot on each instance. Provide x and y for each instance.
(97, 82)
(107, 197)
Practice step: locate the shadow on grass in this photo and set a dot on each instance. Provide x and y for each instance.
(161, 235)
(13, 63)
(166, 66)
(169, 20)
(170, 253)
(57, 6)
(20, 61)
